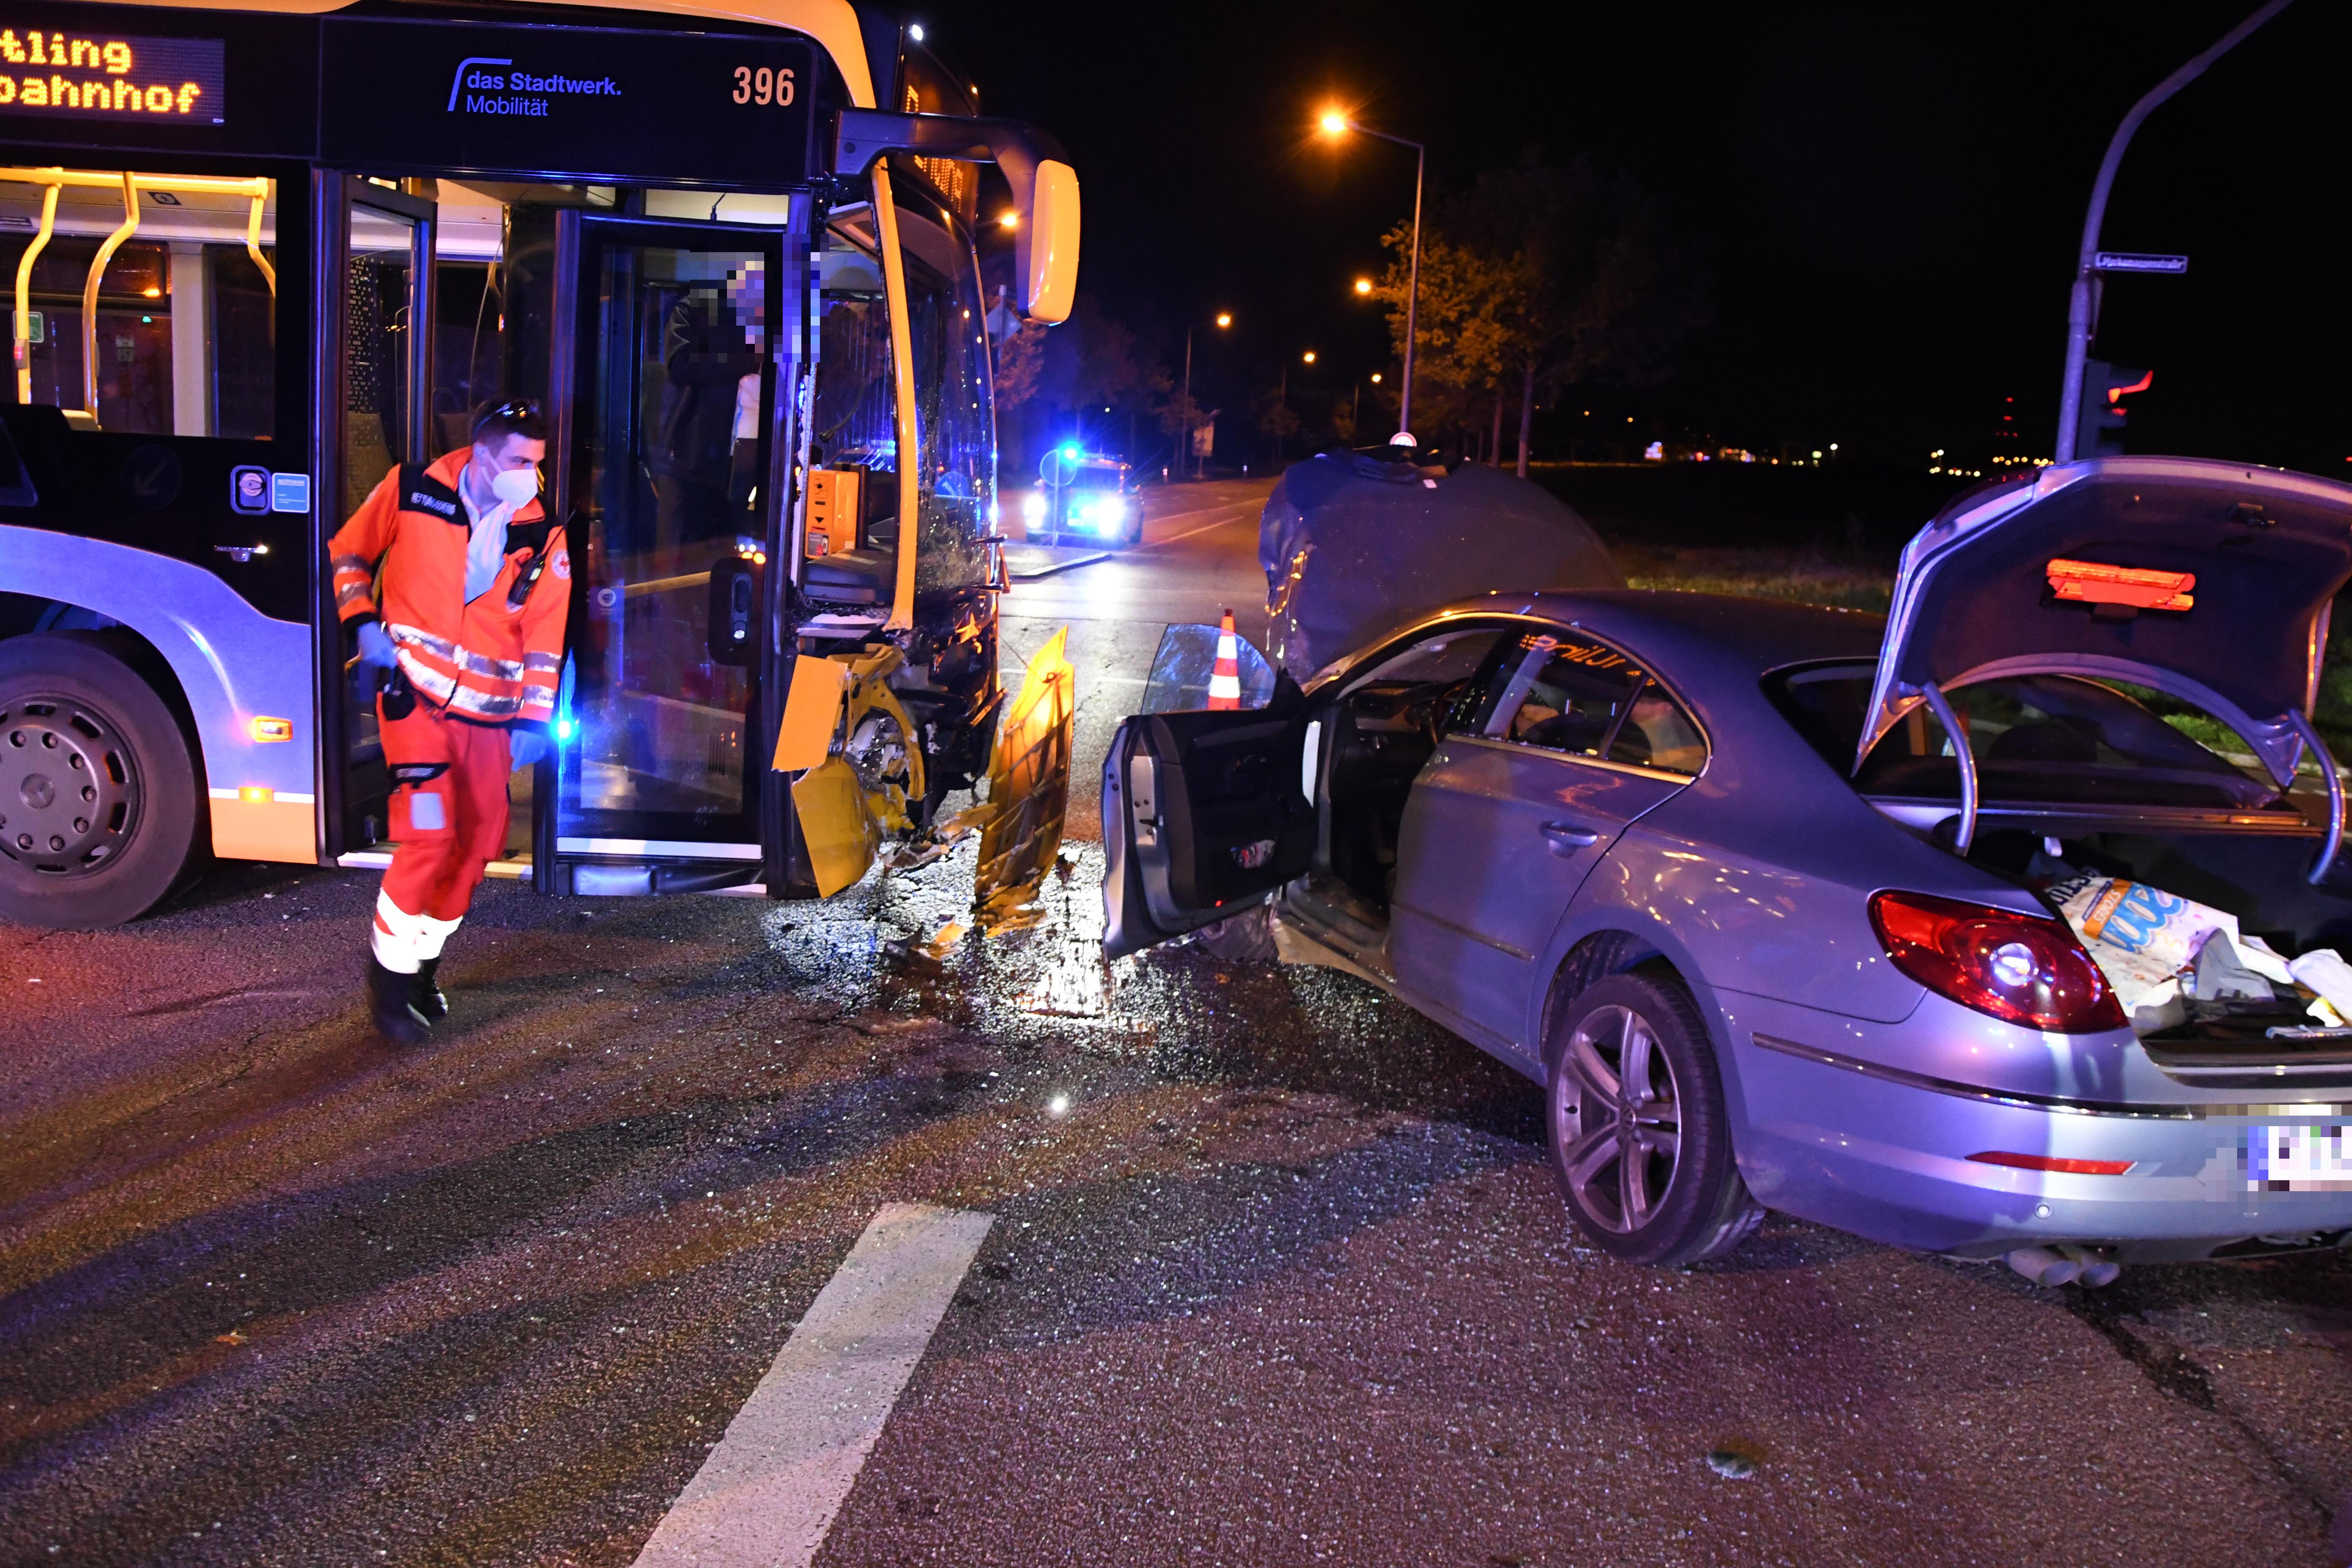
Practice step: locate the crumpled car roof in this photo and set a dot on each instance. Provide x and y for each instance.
(1352, 544)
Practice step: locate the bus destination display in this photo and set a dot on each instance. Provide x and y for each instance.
(547, 103)
(112, 75)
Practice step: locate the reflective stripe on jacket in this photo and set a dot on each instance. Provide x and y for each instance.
(486, 661)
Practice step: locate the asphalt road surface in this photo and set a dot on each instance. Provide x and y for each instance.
(1273, 1272)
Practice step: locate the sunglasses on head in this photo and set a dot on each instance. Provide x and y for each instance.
(512, 409)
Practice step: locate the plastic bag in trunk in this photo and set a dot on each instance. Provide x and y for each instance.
(2162, 952)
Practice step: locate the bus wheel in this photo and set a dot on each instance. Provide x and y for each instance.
(97, 792)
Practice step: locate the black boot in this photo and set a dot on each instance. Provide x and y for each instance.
(392, 996)
(427, 998)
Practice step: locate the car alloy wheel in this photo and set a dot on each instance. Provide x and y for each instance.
(1639, 1142)
(1617, 1114)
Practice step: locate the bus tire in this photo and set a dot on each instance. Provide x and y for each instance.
(98, 792)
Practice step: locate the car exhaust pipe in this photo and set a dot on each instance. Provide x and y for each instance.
(2043, 1267)
(2092, 1269)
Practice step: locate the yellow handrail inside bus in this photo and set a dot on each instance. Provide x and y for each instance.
(24, 331)
(256, 191)
(90, 295)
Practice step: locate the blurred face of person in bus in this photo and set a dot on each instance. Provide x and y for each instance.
(747, 295)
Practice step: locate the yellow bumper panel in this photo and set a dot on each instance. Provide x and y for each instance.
(249, 825)
(812, 712)
(841, 837)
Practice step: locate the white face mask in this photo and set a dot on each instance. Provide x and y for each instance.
(515, 486)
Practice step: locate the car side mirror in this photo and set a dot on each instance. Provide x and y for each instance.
(734, 609)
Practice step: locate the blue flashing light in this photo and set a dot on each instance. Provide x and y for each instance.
(563, 728)
(1071, 450)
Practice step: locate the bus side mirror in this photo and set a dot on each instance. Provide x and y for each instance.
(1045, 244)
(734, 609)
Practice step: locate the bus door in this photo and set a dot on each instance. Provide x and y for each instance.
(666, 432)
(380, 277)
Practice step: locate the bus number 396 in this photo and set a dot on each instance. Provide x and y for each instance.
(763, 86)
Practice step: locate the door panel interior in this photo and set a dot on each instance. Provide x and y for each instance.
(1204, 815)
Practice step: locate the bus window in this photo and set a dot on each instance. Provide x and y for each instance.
(854, 420)
(377, 279)
(186, 324)
(958, 471)
(470, 342)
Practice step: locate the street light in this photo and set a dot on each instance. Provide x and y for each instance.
(1225, 319)
(1308, 357)
(1363, 285)
(1334, 124)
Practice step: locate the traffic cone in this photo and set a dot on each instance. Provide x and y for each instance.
(1225, 680)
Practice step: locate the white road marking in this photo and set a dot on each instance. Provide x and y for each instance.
(768, 1493)
(1237, 506)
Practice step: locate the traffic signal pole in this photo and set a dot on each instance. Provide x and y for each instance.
(2083, 304)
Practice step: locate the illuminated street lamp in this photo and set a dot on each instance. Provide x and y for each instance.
(1363, 285)
(1225, 319)
(1334, 124)
(1308, 357)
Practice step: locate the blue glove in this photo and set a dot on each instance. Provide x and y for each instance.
(527, 746)
(375, 649)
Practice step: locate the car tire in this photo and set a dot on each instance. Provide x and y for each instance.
(97, 789)
(1648, 1176)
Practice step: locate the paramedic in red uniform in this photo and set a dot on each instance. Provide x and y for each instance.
(467, 627)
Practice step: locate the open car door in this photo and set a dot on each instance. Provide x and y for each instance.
(1202, 813)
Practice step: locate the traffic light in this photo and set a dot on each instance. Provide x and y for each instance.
(2099, 426)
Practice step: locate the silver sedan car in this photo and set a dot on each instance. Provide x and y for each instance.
(1758, 893)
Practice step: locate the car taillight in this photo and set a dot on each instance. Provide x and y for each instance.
(2025, 968)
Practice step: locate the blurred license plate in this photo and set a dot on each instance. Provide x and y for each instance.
(2299, 1156)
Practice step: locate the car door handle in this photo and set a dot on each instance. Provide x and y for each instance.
(1566, 838)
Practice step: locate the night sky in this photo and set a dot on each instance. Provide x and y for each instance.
(1887, 197)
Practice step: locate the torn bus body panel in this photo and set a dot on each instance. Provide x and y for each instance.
(1352, 544)
(1028, 792)
(862, 779)
(859, 759)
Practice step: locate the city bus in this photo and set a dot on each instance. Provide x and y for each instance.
(262, 253)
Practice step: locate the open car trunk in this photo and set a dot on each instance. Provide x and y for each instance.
(2245, 1030)
(2100, 681)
